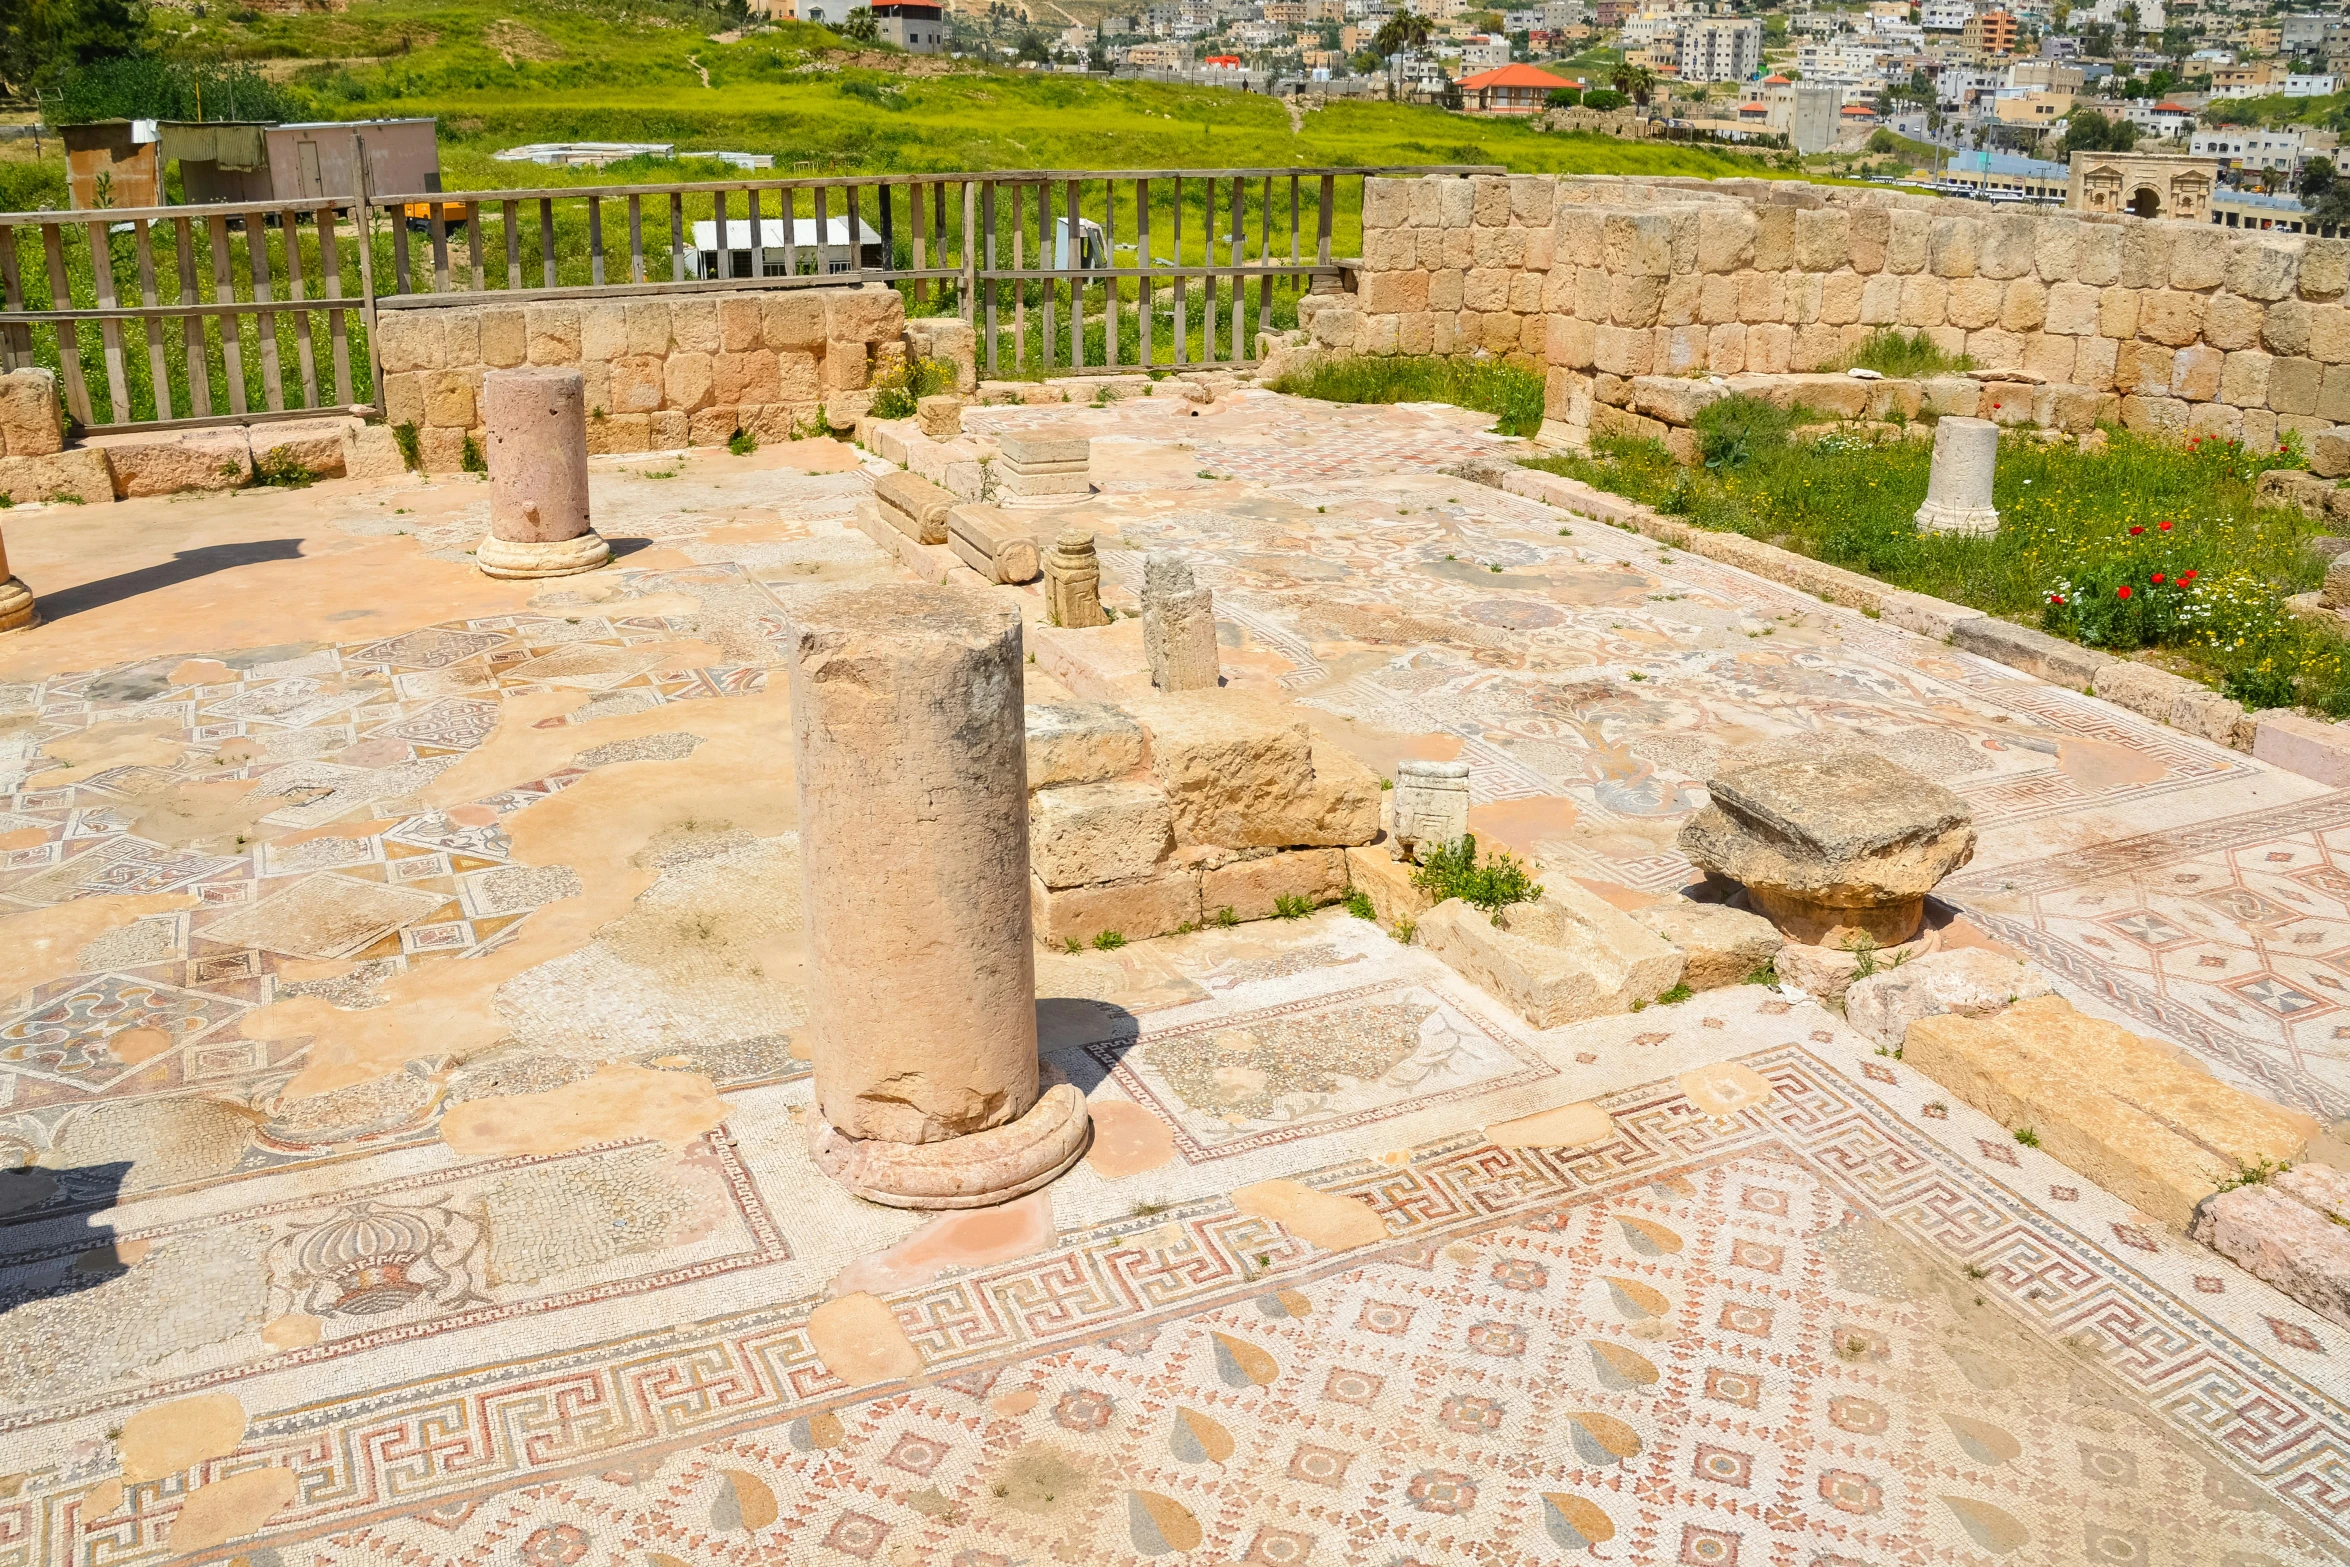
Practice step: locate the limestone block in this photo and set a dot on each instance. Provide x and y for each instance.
(1719, 945)
(2056, 245)
(2117, 313)
(553, 333)
(1954, 246)
(441, 451)
(2007, 249)
(1638, 243)
(2325, 268)
(1974, 302)
(992, 544)
(1770, 348)
(1823, 239)
(1097, 832)
(619, 433)
(2024, 308)
(315, 445)
(2049, 357)
(2231, 321)
(2072, 310)
(1831, 844)
(686, 381)
(870, 314)
(1561, 959)
(2263, 269)
(2291, 328)
(1774, 239)
(1178, 625)
(1430, 805)
(2169, 316)
(1080, 743)
(31, 423)
(603, 331)
(1924, 298)
(1674, 399)
(1973, 981)
(1725, 239)
(2195, 372)
(170, 462)
(1137, 910)
(914, 506)
(799, 376)
(636, 384)
(449, 400)
(1242, 774)
(372, 452)
(2162, 416)
(2093, 361)
(693, 323)
(2197, 267)
(503, 335)
(2302, 1248)
(78, 473)
(1907, 237)
(2124, 1111)
(2293, 385)
(2145, 255)
(1252, 888)
(2243, 382)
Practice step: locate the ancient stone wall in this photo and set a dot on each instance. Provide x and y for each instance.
(2187, 329)
(663, 371)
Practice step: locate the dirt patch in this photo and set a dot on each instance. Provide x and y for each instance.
(513, 42)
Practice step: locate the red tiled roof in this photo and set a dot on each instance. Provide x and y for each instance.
(1515, 76)
(1775, 81)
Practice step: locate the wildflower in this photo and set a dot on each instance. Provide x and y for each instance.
(2164, 526)
(2189, 576)
(2122, 592)
(2158, 579)
(2137, 528)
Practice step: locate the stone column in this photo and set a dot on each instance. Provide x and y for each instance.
(537, 422)
(1178, 625)
(910, 745)
(1073, 581)
(1431, 805)
(17, 609)
(1958, 492)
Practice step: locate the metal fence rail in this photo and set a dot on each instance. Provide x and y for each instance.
(279, 319)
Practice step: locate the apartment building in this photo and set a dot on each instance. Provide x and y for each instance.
(1989, 35)
(1720, 50)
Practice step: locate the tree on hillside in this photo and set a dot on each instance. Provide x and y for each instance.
(1635, 82)
(860, 25)
(43, 40)
(1402, 32)
(2085, 130)
(2097, 40)
(1033, 47)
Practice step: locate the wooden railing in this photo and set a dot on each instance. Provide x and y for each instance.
(266, 310)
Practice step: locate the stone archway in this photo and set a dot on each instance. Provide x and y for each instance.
(2146, 202)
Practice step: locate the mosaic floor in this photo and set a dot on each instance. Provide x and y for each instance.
(399, 977)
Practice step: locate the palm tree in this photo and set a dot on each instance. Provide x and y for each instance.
(1406, 30)
(1635, 82)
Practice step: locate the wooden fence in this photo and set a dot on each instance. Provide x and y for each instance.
(182, 316)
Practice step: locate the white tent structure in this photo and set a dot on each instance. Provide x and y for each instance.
(805, 253)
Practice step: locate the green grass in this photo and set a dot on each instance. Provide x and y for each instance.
(1454, 870)
(1909, 355)
(1511, 392)
(2066, 521)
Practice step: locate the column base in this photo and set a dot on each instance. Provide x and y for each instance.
(1957, 519)
(18, 612)
(512, 559)
(977, 1171)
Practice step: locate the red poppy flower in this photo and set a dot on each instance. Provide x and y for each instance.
(2136, 529)
(2158, 579)
(2122, 592)
(2189, 576)
(2164, 526)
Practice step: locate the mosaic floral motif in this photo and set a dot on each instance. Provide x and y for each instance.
(1518, 1273)
(1441, 1491)
(1083, 1409)
(1505, 1339)
(557, 1545)
(1249, 1072)
(1472, 1413)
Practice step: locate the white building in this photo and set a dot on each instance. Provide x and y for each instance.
(2248, 147)
(1842, 64)
(1720, 50)
(1483, 52)
(1944, 16)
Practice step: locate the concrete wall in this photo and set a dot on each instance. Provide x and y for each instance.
(663, 371)
(2193, 329)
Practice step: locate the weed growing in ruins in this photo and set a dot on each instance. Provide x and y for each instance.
(2027, 1136)
(469, 456)
(1907, 355)
(2258, 1173)
(411, 452)
(1405, 930)
(1863, 947)
(1072, 944)
(1358, 903)
(1452, 870)
(1226, 918)
(743, 442)
(7, 501)
(1108, 941)
(1509, 390)
(1290, 906)
(897, 393)
(281, 468)
(1675, 996)
(1768, 974)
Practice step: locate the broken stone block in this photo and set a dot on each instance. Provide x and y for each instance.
(1832, 847)
(1719, 945)
(172, 462)
(1037, 470)
(2291, 1231)
(1563, 958)
(1431, 805)
(1971, 981)
(914, 506)
(81, 474)
(1073, 582)
(30, 423)
(1178, 625)
(1826, 973)
(372, 451)
(1375, 872)
(1245, 775)
(2124, 1111)
(941, 415)
(991, 544)
(1097, 832)
(1153, 906)
(1080, 742)
(1252, 888)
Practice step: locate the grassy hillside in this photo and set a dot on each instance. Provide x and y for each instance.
(549, 70)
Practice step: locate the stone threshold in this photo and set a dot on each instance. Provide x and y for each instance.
(2311, 747)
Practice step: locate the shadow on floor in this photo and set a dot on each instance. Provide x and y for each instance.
(186, 566)
(44, 1253)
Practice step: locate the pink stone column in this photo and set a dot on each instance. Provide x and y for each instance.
(536, 417)
(17, 610)
(909, 741)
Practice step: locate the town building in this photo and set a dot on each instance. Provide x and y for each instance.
(1989, 35)
(1511, 89)
(1720, 50)
(2146, 184)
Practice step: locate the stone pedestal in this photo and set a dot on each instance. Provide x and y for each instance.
(941, 416)
(17, 610)
(537, 423)
(1836, 846)
(1034, 471)
(1178, 625)
(1431, 805)
(1958, 493)
(909, 746)
(1073, 582)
